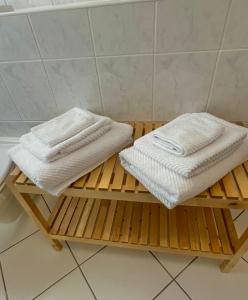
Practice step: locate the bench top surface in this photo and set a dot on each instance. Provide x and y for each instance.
(110, 176)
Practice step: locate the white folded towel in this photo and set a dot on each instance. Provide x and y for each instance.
(201, 160)
(187, 134)
(171, 188)
(84, 137)
(63, 127)
(54, 177)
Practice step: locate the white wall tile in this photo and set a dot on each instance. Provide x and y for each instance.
(236, 35)
(75, 83)
(123, 29)
(65, 1)
(182, 83)
(28, 86)
(19, 4)
(126, 84)
(230, 91)
(63, 34)
(190, 25)
(15, 129)
(8, 110)
(16, 39)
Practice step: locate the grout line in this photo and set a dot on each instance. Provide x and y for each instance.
(55, 283)
(163, 289)
(183, 290)
(46, 203)
(19, 241)
(239, 215)
(4, 284)
(244, 259)
(194, 259)
(155, 257)
(210, 93)
(92, 255)
(87, 282)
(154, 47)
(95, 59)
(42, 63)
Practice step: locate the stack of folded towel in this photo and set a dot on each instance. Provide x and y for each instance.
(184, 157)
(58, 152)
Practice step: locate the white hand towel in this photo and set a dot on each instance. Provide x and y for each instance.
(201, 160)
(171, 188)
(84, 137)
(54, 177)
(187, 134)
(63, 127)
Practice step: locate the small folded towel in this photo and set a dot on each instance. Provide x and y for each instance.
(63, 127)
(56, 176)
(187, 134)
(171, 188)
(84, 137)
(201, 160)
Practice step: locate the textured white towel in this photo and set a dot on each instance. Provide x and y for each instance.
(84, 137)
(63, 127)
(54, 177)
(171, 188)
(187, 133)
(201, 160)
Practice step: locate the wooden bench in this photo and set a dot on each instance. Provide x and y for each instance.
(109, 206)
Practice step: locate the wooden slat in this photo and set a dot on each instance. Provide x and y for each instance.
(92, 219)
(80, 182)
(154, 225)
(134, 236)
(145, 224)
(109, 220)
(101, 219)
(15, 172)
(55, 211)
(216, 190)
(118, 176)
(84, 218)
(182, 224)
(127, 217)
(138, 130)
(230, 186)
(163, 232)
(107, 173)
(93, 178)
(193, 229)
(242, 180)
(68, 216)
(76, 217)
(232, 233)
(204, 237)
(61, 215)
(245, 164)
(173, 229)
(222, 231)
(212, 230)
(21, 179)
(116, 229)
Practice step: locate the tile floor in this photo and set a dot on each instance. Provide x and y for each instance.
(31, 269)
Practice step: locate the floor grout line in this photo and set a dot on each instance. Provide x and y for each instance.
(19, 241)
(163, 289)
(244, 259)
(87, 282)
(55, 283)
(239, 215)
(92, 255)
(4, 284)
(155, 257)
(193, 260)
(183, 290)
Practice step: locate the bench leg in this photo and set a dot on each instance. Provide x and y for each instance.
(32, 210)
(227, 265)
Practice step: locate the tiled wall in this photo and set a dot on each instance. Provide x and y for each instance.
(142, 61)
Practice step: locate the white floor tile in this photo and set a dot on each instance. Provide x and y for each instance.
(19, 228)
(172, 262)
(173, 292)
(235, 212)
(33, 265)
(202, 280)
(241, 224)
(117, 273)
(83, 251)
(73, 287)
(2, 291)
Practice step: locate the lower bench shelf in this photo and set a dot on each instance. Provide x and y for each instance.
(151, 226)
